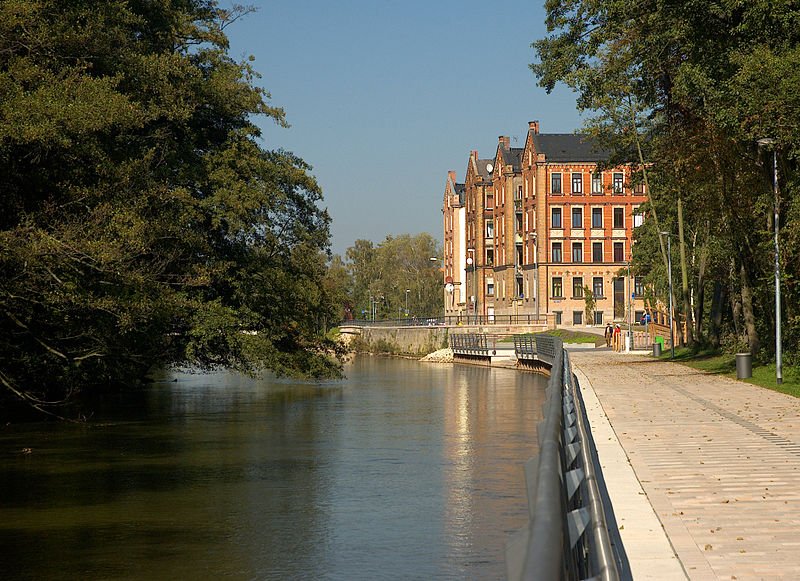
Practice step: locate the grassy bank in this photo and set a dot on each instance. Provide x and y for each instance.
(725, 364)
(568, 336)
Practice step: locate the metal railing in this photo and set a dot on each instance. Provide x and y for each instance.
(451, 320)
(470, 344)
(567, 536)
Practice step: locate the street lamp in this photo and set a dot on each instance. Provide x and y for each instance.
(770, 142)
(408, 290)
(629, 345)
(669, 268)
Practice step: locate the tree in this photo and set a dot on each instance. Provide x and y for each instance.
(381, 274)
(681, 89)
(590, 303)
(143, 222)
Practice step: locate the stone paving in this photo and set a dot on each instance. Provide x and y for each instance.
(718, 461)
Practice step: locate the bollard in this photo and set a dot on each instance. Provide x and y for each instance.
(744, 365)
(656, 349)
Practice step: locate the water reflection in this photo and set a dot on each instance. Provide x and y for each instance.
(403, 470)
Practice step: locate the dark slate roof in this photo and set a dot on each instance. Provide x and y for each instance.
(513, 157)
(568, 147)
(485, 175)
(460, 190)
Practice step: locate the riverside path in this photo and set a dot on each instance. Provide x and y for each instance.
(703, 472)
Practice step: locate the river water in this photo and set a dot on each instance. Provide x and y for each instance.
(402, 471)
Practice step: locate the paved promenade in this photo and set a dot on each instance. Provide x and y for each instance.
(703, 472)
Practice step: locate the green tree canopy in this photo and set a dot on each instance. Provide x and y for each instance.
(143, 222)
(683, 90)
(382, 274)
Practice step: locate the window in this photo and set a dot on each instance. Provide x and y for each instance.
(598, 317)
(557, 289)
(638, 286)
(577, 317)
(597, 252)
(520, 288)
(619, 217)
(577, 217)
(577, 252)
(597, 183)
(556, 252)
(617, 183)
(555, 183)
(638, 218)
(597, 286)
(638, 189)
(557, 317)
(490, 287)
(619, 252)
(490, 228)
(489, 256)
(489, 205)
(577, 183)
(597, 217)
(555, 218)
(577, 287)
(519, 193)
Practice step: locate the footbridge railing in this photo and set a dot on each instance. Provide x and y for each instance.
(566, 536)
(471, 346)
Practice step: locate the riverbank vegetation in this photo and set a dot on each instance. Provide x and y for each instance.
(144, 222)
(399, 278)
(711, 361)
(702, 98)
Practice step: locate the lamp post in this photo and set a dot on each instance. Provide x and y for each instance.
(770, 142)
(471, 261)
(629, 342)
(408, 290)
(669, 268)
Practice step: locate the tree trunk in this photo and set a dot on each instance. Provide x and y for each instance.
(687, 307)
(701, 283)
(717, 300)
(747, 311)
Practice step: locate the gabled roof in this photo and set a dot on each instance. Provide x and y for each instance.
(568, 147)
(482, 171)
(513, 157)
(460, 189)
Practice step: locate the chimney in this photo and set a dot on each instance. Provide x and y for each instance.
(534, 127)
(452, 175)
(504, 140)
(474, 155)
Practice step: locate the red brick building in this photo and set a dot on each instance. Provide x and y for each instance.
(544, 223)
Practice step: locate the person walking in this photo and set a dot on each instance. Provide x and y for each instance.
(609, 333)
(617, 337)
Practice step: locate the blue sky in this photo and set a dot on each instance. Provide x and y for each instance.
(385, 97)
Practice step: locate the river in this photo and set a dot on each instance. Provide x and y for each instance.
(401, 471)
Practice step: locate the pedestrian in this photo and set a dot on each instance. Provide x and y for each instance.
(608, 334)
(617, 337)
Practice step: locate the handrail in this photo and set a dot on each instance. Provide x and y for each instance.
(567, 536)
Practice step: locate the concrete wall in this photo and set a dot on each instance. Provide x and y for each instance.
(423, 340)
(411, 340)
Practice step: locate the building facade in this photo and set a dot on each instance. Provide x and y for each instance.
(454, 262)
(546, 226)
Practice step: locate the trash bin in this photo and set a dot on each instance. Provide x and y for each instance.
(656, 349)
(744, 365)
